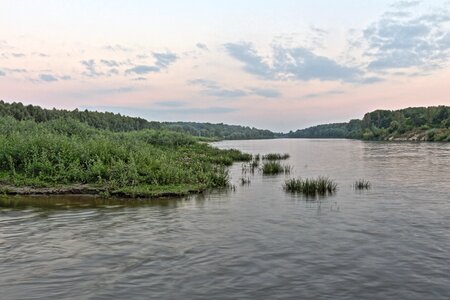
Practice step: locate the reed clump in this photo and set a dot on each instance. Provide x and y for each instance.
(362, 184)
(274, 167)
(311, 186)
(276, 156)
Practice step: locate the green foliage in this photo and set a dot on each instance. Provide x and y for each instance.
(311, 186)
(405, 124)
(67, 151)
(221, 131)
(117, 122)
(274, 167)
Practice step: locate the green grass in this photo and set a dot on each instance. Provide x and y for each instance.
(311, 186)
(362, 184)
(65, 152)
(276, 156)
(274, 167)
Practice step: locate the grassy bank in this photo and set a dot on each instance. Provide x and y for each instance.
(65, 152)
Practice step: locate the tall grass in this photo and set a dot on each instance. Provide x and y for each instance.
(274, 167)
(362, 184)
(311, 186)
(67, 151)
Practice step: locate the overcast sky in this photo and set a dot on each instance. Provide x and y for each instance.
(274, 64)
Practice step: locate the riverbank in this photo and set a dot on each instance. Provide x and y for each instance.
(144, 191)
(66, 156)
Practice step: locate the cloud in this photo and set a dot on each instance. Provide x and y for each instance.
(16, 70)
(295, 63)
(212, 88)
(18, 54)
(47, 78)
(404, 42)
(89, 93)
(173, 103)
(143, 69)
(371, 80)
(302, 64)
(202, 46)
(91, 68)
(117, 48)
(66, 77)
(162, 62)
(109, 63)
(169, 112)
(323, 94)
(267, 93)
(253, 63)
(405, 4)
(224, 93)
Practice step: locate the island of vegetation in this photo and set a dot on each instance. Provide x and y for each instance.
(60, 152)
(410, 124)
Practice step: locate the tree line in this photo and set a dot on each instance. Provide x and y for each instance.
(421, 123)
(117, 122)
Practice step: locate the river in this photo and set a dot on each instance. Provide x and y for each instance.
(252, 242)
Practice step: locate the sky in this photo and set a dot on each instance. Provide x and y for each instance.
(273, 64)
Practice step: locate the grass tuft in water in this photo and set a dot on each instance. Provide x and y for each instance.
(311, 186)
(276, 156)
(362, 184)
(245, 181)
(274, 167)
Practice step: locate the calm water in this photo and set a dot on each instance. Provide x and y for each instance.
(257, 242)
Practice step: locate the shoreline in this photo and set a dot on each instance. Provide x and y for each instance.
(140, 192)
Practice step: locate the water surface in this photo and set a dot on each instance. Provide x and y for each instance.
(257, 242)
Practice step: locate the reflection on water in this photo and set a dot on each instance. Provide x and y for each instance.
(256, 242)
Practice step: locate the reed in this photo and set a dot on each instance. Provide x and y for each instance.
(245, 181)
(311, 186)
(362, 184)
(274, 167)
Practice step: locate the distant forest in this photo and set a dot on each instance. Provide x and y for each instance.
(117, 122)
(417, 123)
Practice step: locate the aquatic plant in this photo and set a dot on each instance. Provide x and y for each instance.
(362, 184)
(311, 186)
(245, 181)
(274, 167)
(276, 156)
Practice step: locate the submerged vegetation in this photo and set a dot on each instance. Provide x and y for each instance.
(311, 186)
(149, 162)
(362, 184)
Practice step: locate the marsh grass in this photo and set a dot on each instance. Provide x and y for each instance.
(311, 186)
(66, 152)
(275, 167)
(362, 184)
(251, 166)
(276, 156)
